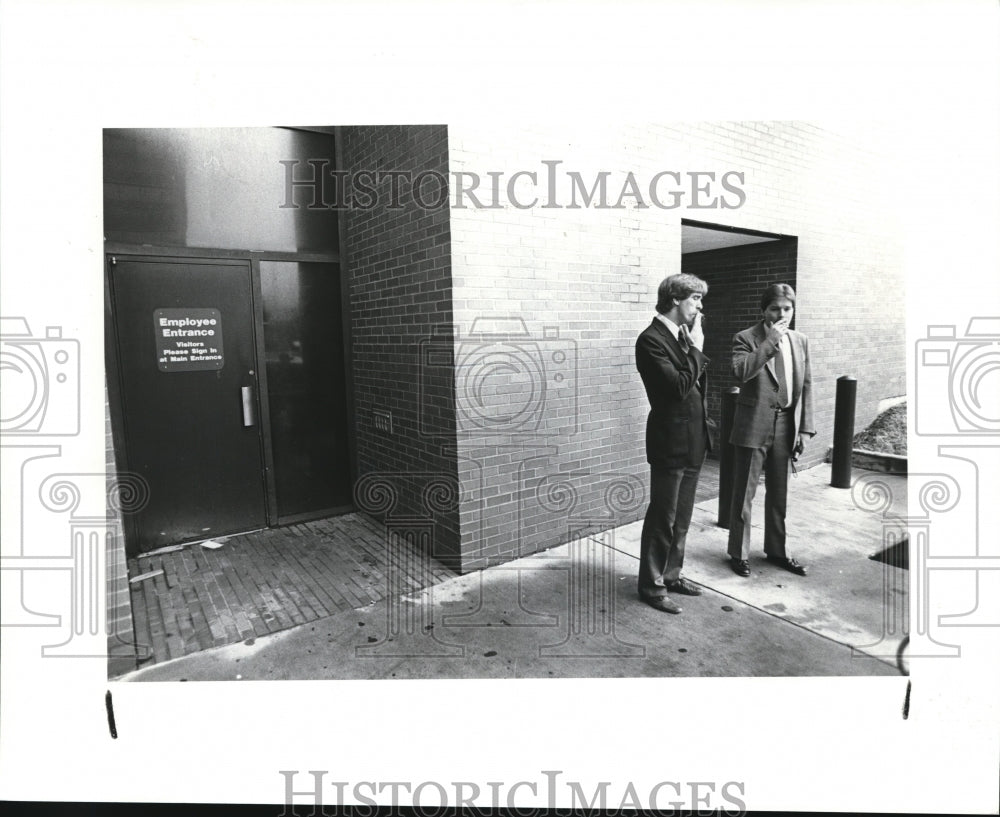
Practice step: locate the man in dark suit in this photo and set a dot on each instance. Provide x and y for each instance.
(774, 413)
(672, 366)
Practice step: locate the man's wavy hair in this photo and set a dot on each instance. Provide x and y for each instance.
(775, 291)
(678, 286)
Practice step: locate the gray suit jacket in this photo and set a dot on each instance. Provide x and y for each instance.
(753, 366)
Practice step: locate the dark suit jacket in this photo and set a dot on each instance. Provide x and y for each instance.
(753, 366)
(676, 429)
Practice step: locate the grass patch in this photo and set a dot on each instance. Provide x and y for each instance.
(886, 434)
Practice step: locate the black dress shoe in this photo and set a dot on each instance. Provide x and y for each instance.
(741, 567)
(684, 587)
(788, 564)
(663, 603)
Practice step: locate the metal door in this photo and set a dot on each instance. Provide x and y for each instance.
(184, 330)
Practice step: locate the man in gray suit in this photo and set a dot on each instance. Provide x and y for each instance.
(774, 413)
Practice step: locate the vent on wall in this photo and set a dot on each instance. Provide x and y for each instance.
(383, 421)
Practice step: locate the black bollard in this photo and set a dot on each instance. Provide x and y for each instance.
(726, 454)
(843, 432)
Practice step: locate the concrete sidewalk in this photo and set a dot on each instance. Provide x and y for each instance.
(572, 611)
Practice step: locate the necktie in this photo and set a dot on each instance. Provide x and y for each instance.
(684, 339)
(779, 371)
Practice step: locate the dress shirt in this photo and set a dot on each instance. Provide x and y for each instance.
(785, 350)
(675, 331)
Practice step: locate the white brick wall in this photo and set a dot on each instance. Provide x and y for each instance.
(593, 273)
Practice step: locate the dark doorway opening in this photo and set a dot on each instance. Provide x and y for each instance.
(737, 264)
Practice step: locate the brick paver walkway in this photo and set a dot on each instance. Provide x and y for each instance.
(263, 582)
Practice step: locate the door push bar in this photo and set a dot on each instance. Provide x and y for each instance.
(248, 414)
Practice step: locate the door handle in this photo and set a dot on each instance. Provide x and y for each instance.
(248, 413)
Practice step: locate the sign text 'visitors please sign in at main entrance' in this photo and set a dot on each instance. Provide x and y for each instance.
(188, 340)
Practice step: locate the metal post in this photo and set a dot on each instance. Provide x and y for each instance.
(843, 432)
(726, 454)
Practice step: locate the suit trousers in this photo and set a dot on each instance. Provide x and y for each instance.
(773, 459)
(664, 530)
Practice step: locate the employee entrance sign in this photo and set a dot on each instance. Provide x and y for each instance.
(188, 340)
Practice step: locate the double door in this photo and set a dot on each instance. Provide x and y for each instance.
(232, 390)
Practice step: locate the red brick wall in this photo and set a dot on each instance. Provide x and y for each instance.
(399, 267)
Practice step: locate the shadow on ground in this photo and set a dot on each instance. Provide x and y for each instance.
(572, 612)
